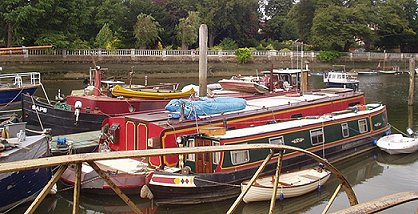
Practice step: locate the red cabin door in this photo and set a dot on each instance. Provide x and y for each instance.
(203, 160)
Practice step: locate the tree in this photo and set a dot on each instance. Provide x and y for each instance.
(278, 7)
(13, 14)
(106, 39)
(236, 19)
(188, 29)
(302, 15)
(146, 30)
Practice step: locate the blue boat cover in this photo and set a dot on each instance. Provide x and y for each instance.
(205, 106)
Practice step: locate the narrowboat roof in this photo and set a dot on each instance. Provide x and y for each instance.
(243, 132)
(257, 104)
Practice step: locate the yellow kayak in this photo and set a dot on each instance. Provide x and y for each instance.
(120, 91)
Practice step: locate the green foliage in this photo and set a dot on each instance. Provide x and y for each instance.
(243, 55)
(146, 30)
(260, 47)
(228, 44)
(106, 39)
(188, 29)
(58, 39)
(328, 56)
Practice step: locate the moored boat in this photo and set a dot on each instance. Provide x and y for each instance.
(151, 94)
(127, 174)
(398, 144)
(22, 186)
(13, 85)
(333, 136)
(290, 184)
(339, 78)
(83, 112)
(248, 84)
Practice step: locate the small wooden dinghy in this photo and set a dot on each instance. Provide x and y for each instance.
(290, 184)
(398, 144)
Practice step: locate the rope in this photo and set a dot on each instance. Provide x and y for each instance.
(11, 101)
(37, 114)
(398, 130)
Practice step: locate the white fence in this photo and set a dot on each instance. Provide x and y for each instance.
(192, 53)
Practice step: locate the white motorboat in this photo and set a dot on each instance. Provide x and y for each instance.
(290, 184)
(398, 144)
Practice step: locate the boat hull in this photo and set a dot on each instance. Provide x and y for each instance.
(22, 186)
(127, 174)
(13, 96)
(342, 85)
(63, 121)
(398, 144)
(243, 86)
(297, 184)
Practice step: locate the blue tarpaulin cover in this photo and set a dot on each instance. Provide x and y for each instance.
(205, 106)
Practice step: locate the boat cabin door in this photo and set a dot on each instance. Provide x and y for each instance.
(203, 160)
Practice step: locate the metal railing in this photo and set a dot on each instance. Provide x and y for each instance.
(193, 53)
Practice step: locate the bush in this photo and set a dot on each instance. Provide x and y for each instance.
(228, 44)
(328, 56)
(243, 55)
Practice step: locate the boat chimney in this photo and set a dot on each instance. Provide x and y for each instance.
(203, 60)
(271, 78)
(97, 81)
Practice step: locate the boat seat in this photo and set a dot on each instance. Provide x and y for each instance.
(312, 177)
(280, 182)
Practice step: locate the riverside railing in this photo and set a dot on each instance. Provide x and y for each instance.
(192, 53)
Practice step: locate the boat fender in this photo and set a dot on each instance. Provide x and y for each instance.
(281, 197)
(77, 106)
(4, 133)
(146, 192)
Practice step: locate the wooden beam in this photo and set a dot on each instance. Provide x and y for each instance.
(38, 200)
(331, 200)
(276, 182)
(114, 187)
(382, 203)
(77, 188)
(250, 183)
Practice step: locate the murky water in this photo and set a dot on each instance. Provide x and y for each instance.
(372, 174)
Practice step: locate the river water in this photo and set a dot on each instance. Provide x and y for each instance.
(372, 174)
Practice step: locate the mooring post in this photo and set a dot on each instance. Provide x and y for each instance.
(276, 182)
(203, 60)
(411, 81)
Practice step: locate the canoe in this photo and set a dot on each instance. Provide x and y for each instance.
(398, 144)
(120, 91)
(290, 184)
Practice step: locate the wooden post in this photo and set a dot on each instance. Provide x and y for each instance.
(250, 183)
(276, 182)
(77, 189)
(114, 187)
(410, 116)
(411, 81)
(203, 60)
(38, 200)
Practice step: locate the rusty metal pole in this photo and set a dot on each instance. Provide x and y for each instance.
(203, 60)
(411, 81)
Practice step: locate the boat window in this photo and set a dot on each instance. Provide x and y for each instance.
(317, 136)
(240, 157)
(298, 115)
(216, 155)
(277, 141)
(362, 126)
(344, 129)
(191, 156)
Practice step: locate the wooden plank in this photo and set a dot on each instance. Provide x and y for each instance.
(77, 188)
(114, 187)
(38, 200)
(276, 181)
(382, 203)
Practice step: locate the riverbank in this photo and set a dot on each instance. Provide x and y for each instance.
(167, 70)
